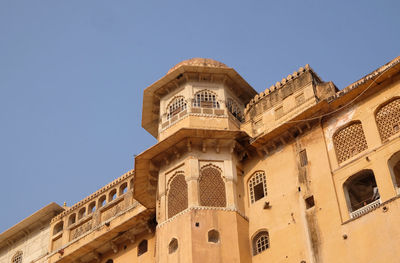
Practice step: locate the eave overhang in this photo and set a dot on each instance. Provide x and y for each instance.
(146, 170)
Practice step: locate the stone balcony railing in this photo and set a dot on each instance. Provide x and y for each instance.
(94, 210)
(365, 209)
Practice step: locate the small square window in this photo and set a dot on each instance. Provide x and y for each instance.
(310, 202)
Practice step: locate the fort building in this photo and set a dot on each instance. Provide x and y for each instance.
(301, 172)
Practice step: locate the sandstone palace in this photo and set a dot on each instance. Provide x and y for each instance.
(302, 172)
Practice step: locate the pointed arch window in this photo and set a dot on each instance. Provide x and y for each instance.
(205, 99)
(17, 258)
(388, 119)
(212, 187)
(177, 195)
(176, 105)
(257, 186)
(349, 141)
(234, 109)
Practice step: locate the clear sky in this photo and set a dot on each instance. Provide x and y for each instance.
(72, 74)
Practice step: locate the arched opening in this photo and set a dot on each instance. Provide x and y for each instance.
(176, 105)
(349, 141)
(72, 219)
(212, 187)
(112, 195)
(110, 261)
(205, 99)
(362, 194)
(213, 236)
(257, 186)
(102, 201)
(394, 167)
(387, 118)
(58, 227)
(177, 195)
(260, 242)
(173, 246)
(17, 258)
(123, 189)
(82, 213)
(92, 207)
(142, 247)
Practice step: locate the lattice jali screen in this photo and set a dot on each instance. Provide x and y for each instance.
(212, 188)
(388, 119)
(177, 195)
(349, 141)
(256, 179)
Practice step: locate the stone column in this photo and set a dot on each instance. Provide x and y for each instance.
(230, 185)
(192, 176)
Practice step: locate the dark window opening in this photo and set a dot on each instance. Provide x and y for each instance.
(258, 191)
(303, 158)
(173, 246)
(142, 248)
(361, 189)
(110, 261)
(310, 202)
(213, 236)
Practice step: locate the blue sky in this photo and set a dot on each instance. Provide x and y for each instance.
(72, 74)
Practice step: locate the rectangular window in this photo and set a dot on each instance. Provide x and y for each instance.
(303, 158)
(258, 191)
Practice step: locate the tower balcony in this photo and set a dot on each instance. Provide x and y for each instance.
(98, 223)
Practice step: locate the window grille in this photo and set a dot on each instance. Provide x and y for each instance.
(388, 119)
(175, 106)
(205, 99)
(349, 141)
(257, 186)
(17, 258)
(234, 109)
(212, 188)
(177, 195)
(260, 242)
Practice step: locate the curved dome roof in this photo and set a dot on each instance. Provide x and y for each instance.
(202, 62)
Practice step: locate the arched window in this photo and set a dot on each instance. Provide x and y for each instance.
(205, 99)
(92, 207)
(257, 186)
(58, 227)
(17, 258)
(260, 242)
(362, 194)
(177, 105)
(213, 236)
(349, 141)
(212, 187)
(394, 167)
(234, 109)
(173, 246)
(82, 213)
(177, 195)
(102, 201)
(142, 247)
(388, 119)
(123, 188)
(72, 219)
(112, 195)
